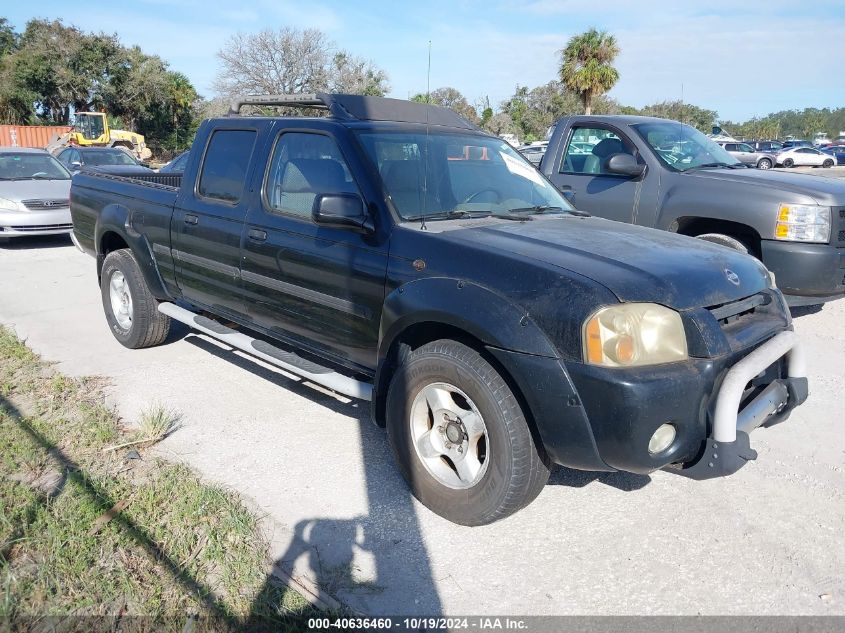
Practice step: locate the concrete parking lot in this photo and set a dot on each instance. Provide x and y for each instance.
(769, 540)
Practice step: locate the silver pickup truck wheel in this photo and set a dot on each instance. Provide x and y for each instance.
(130, 307)
(460, 437)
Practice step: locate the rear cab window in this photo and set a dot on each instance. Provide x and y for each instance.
(225, 165)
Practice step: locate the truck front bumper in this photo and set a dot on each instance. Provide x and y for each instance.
(807, 274)
(707, 401)
(729, 447)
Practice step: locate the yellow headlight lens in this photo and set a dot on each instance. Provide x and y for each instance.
(634, 334)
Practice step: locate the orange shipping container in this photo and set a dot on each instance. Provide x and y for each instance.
(29, 135)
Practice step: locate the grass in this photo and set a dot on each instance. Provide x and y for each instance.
(87, 532)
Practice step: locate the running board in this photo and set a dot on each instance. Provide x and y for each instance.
(271, 354)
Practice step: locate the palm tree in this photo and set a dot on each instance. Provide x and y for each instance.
(585, 66)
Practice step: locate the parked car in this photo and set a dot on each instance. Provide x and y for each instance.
(796, 143)
(533, 153)
(34, 193)
(106, 159)
(663, 174)
(495, 329)
(837, 151)
(768, 147)
(804, 157)
(177, 165)
(747, 155)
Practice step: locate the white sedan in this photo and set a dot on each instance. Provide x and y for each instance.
(804, 156)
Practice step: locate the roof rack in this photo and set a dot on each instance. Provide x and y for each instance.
(291, 101)
(359, 108)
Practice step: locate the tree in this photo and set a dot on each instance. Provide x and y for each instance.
(8, 38)
(586, 65)
(699, 118)
(289, 61)
(449, 97)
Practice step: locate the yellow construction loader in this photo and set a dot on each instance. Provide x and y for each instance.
(91, 129)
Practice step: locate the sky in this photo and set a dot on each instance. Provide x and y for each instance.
(742, 58)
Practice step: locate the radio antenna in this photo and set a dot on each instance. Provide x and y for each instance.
(423, 227)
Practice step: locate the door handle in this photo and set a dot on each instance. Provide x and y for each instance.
(257, 235)
(191, 219)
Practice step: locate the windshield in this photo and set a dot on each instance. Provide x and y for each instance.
(89, 125)
(31, 166)
(456, 175)
(682, 147)
(107, 157)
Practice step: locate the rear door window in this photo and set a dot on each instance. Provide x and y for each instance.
(225, 165)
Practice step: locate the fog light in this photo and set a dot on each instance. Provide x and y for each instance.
(662, 439)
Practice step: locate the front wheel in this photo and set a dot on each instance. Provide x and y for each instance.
(789, 163)
(724, 240)
(764, 163)
(131, 309)
(827, 164)
(460, 437)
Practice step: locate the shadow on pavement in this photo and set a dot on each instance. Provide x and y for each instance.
(627, 482)
(375, 564)
(805, 310)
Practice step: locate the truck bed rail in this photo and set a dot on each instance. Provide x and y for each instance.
(169, 182)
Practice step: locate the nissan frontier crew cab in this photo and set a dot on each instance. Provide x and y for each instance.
(667, 175)
(394, 253)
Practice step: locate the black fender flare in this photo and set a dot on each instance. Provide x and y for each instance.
(485, 315)
(480, 312)
(119, 219)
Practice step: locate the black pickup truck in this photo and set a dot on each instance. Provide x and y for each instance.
(394, 253)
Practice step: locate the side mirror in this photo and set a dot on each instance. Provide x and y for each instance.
(624, 164)
(341, 210)
(76, 165)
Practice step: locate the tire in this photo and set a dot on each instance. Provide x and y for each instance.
(123, 286)
(827, 164)
(764, 163)
(725, 240)
(789, 163)
(503, 469)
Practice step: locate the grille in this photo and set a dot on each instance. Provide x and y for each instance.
(46, 205)
(731, 312)
(37, 227)
(841, 227)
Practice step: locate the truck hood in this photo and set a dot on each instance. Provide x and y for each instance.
(824, 191)
(18, 190)
(636, 264)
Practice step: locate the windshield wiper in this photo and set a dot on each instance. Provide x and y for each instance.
(708, 165)
(446, 215)
(543, 208)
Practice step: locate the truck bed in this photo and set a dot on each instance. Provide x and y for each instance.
(96, 196)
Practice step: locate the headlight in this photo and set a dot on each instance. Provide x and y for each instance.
(8, 205)
(634, 334)
(803, 223)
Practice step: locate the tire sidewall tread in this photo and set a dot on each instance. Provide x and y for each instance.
(516, 472)
(149, 326)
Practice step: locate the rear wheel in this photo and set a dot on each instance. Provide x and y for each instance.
(788, 163)
(460, 437)
(725, 240)
(131, 309)
(764, 163)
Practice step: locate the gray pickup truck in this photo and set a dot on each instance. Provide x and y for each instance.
(667, 175)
